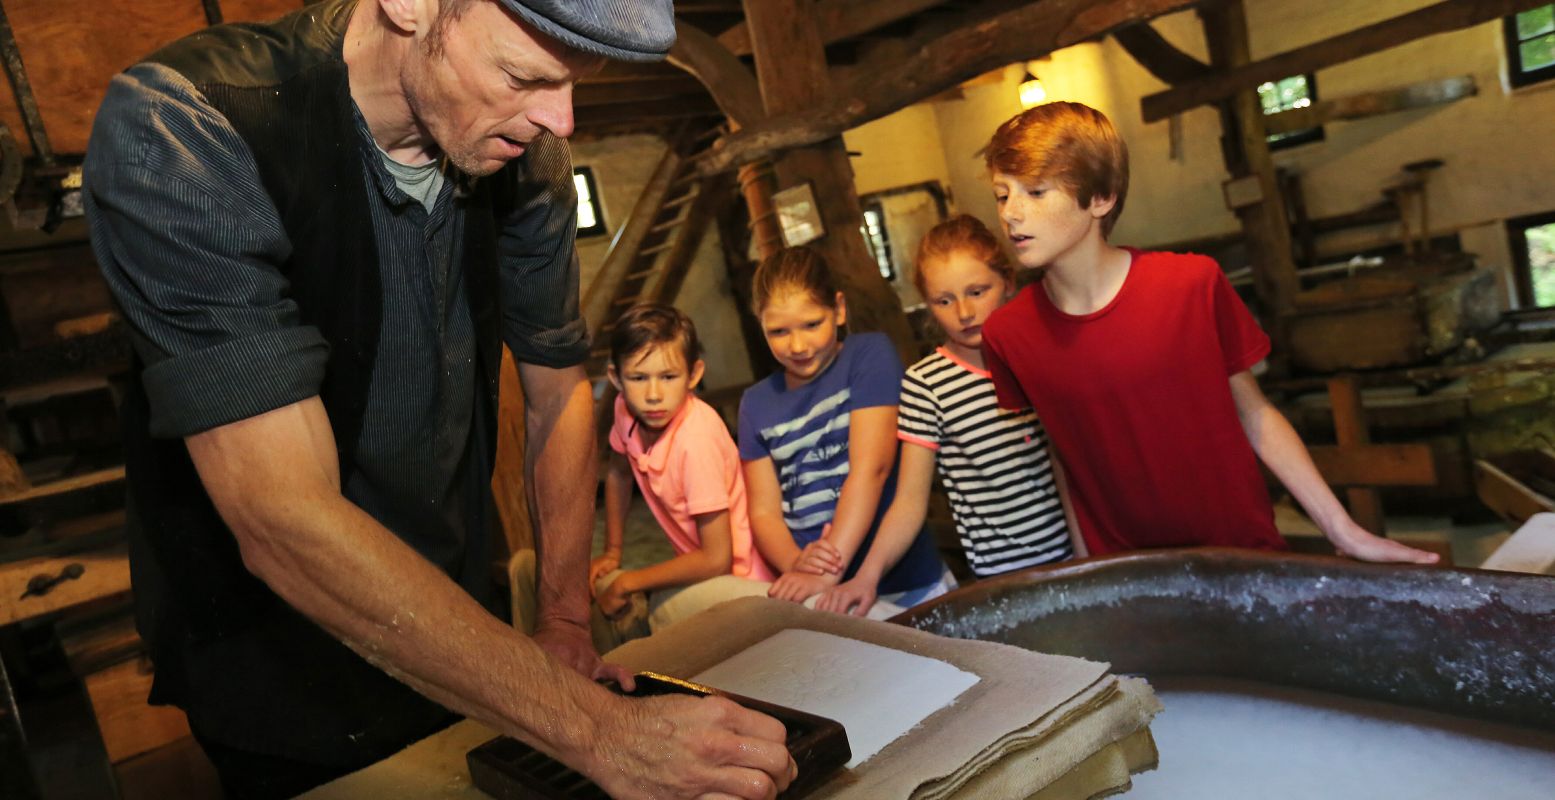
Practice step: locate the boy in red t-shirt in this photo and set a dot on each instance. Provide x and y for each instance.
(1139, 363)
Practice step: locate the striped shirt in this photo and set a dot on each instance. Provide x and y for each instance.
(805, 432)
(994, 464)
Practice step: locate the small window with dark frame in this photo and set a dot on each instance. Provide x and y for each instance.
(878, 239)
(591, 215)
(1288, 94)
(1533, 259)
(1530, 45)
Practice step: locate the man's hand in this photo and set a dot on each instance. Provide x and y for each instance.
(820, 557)
(1358, 543)
(679, 746)
(571, 644)
(603, 565)
(613, 600)
(854, 597)
(798, 587)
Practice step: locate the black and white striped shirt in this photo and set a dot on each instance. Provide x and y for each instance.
(994, 463)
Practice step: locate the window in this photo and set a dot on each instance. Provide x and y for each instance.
(878, 239)
(1530, 45)
(1288, 94)
(1533, 259)
(591, 216)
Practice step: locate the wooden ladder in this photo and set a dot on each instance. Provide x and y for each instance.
(654, 250)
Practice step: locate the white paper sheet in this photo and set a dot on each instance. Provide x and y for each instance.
(877, 693)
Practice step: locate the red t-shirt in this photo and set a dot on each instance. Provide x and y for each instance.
(1137, 400)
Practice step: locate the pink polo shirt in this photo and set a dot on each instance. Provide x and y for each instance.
(694, 468)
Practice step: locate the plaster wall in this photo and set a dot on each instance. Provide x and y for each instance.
(622, 167)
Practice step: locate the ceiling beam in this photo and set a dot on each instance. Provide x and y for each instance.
(730, 82)
(1449, 15)
(893, 79)
(598, 94)
(1371, 104)
(839, 20)
(1158, 56)
(646, 112)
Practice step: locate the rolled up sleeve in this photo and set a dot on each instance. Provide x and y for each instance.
(538, 262)
(191, 248)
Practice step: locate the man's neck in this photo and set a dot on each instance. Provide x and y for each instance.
(374, 51)
(1088, 277)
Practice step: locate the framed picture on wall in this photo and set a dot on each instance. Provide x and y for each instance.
(798, 215)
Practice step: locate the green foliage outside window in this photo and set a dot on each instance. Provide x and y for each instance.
(1541, 263)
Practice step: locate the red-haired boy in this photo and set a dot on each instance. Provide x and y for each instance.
(1138, 363)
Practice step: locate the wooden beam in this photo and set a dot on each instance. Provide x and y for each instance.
(588, 117)
(838, 20)
(1245, 147)
(507, 475)
(731, 84)
(1508, 496)
(1376, 465)
(1371, 104)
(1158, 56)
(931, 63)
(672, 88)
(791, 68)
(1449, 15)
(1350, 431)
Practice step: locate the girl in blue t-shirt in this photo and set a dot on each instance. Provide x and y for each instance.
(818, 444)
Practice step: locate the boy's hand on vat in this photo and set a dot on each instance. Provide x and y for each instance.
(854, 597)
(603, 565)
(1356, 542)
(819, 557)
(798, 587)
(681, 746)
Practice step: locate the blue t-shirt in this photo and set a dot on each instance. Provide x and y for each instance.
(805, 432)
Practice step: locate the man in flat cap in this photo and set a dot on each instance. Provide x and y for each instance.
(321, 230)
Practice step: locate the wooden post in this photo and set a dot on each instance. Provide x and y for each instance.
(791, 70)
(507, 478)
(1350, 431)
(757, 183)
(1264, 220)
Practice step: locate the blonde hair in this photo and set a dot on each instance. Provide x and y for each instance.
(1071, 144)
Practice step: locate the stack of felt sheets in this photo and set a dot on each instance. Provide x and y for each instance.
(927, 717)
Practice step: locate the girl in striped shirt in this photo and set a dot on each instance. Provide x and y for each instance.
(1005, 490)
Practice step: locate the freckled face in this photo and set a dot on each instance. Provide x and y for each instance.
(802, 333)
(492, 87)
(962, 291)
(1042, 220)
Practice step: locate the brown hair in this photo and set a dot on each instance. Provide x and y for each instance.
(789, 269)
(962, 232)
(653, 325)
(1071, 144)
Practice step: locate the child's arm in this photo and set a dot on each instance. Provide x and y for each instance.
(712, 559)
(1280, 448)
(871, 454)
(765, 498)
(1061, 482)
(618, 500)
(900, 526)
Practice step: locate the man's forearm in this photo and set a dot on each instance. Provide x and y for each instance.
(273, 482)
(561, 473)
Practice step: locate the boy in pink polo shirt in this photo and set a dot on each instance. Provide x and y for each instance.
(681, 455)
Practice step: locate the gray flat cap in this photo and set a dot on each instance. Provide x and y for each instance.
(626, 30)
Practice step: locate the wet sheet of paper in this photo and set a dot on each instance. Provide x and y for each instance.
(877, 693)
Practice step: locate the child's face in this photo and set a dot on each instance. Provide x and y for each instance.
(655, 381)
(1043, 220)
(802, 333)
(961, 292)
